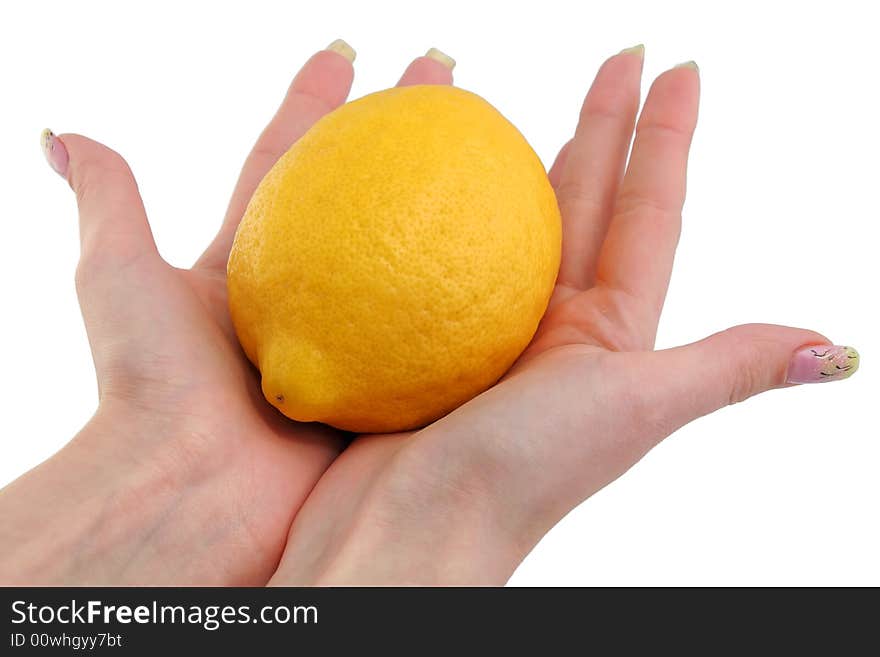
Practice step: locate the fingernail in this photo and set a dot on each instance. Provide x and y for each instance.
(55, 152)
(635, 50)
(690, 64)
(340, 47)
(442, 57)
(820, 363)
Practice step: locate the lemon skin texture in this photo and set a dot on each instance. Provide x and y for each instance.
(395, 262)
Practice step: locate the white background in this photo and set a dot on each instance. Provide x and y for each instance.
(780, 226)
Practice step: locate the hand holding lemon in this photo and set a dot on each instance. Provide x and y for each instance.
(393, 263)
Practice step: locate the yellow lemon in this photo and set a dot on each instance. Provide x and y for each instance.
(395, 261)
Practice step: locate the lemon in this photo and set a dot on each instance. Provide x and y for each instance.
(395, 261)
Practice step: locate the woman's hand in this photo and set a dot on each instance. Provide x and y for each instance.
(465, 499)
(185, 475)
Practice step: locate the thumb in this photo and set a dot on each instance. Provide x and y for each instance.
(118, 257)
(113, 223)
(735, 364)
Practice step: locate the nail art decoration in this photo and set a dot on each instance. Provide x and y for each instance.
(55, 151)
(820, 363)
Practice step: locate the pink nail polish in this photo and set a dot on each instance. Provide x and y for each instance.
(820, 363)
(55, 152)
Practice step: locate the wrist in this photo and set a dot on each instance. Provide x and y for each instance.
(410, 528)
(86, 515)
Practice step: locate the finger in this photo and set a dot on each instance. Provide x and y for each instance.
(687, 382)
(321, 86)
(434, 68)
(594, 164)
(638, 251)
(114, 231)
(119, 266)
(555, 172)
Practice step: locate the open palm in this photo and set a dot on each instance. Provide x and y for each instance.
(166, 355)
(463, 500)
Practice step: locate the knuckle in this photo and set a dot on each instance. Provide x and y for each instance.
(300, 109)
(99, 171)
(308, 101)
(578, 196)
(602, 107)
(270, 146)
(657, 128)
(110, 264)
(745, 367)
(742, 385)
(612, 103)
(610, 106)
(630, 202)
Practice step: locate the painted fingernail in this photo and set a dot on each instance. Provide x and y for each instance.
(55, 152)
(820, 363)
(340, 47)
(689, 64)
(442, 57)
(635, 50)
